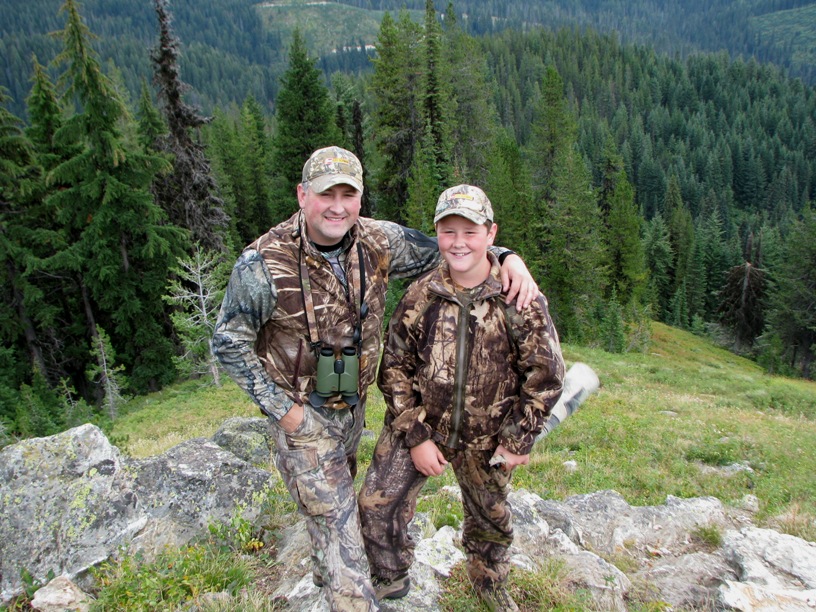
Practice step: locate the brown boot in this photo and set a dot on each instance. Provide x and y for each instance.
(391, 589)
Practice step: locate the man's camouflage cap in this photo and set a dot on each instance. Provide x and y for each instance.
(332, 166)
(466, 201)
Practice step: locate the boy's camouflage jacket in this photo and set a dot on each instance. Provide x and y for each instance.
(466, 370)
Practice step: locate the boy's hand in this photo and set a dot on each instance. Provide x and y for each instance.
(511, 460)
(518, 283)
(427, 459)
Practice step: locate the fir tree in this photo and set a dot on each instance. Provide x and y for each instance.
(742, 298)
(197, 290)
(117, 241)
(573, 259)
(623, 230)
(659, 256)
(437, 106)
(397, 118)
(189, 193)
(305, 120)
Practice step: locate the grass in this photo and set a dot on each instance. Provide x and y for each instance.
(685, 419)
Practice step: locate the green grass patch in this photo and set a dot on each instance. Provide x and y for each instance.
(175, 577)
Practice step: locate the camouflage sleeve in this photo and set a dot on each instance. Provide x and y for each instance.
(249, 301)
(412, 252)
(396, 377)
(542, 370)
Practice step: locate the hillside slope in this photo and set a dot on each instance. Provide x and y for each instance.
(686, 419)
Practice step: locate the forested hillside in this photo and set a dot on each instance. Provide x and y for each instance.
(236, 47)
(635, 185)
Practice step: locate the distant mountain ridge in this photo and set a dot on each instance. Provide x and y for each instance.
(232, 48)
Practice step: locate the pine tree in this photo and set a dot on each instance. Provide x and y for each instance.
(681, 232)
(509, 189)
(305, 120)
(397, 118)
(742, 299)
(423, 186)
(117, 242)
(573, 257)
(623, 229)
(104, 372)
(189, 193)
(197, 290)
(659, 256)
(474, 120)
(255, 161)
(17, 181)
(438, 102)
(554, 131)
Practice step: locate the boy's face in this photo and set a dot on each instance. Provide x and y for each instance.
(463, 244)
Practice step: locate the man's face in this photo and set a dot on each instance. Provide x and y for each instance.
(329, 215)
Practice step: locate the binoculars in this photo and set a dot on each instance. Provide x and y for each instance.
(336, 375)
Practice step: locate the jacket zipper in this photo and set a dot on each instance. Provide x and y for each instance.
(460, 374)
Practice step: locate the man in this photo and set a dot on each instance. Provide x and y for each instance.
(300, 330)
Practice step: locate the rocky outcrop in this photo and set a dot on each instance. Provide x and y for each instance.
(70, 501)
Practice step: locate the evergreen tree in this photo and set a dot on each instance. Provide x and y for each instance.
(52, 296)
(573, 257)
(397, 119)
(117, 242)
(553, 132)
(106, 374)
(17, 325)
(474, 120)
(681, 233)
(438, 102)
(742, 298)
(255, 165)
(151, 125)
(197, 290)
(423, 186)
(623, 232)
(508, 186)
(793, 313)
(659, 256)
(305, 120)
(189, 193)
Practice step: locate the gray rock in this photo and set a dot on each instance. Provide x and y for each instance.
(247, 438)
(71, 501)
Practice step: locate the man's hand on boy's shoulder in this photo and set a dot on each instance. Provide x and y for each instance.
(428, 459)
(523, 287)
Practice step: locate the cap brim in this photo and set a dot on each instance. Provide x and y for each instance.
(322, 183)
(461, 212)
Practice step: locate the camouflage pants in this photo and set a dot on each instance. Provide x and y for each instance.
(318, 462)
(388, 503)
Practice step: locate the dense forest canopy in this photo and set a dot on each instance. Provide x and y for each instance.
(636, 185)
(238, 46)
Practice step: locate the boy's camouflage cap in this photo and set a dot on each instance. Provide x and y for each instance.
(332, 166)
(466, 201)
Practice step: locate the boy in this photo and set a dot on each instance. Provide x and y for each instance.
(467, 381)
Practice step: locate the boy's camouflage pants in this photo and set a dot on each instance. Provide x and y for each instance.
(318, 462)
(388, 502)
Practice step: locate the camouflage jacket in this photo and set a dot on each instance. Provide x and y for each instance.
(466, 370)
(261, 336)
